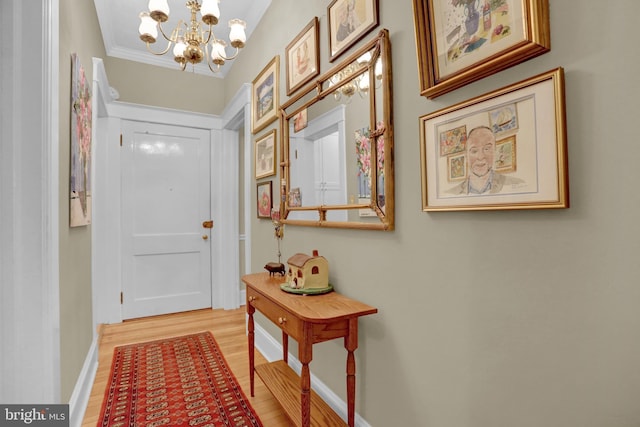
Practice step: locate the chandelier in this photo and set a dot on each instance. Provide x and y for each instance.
(191, 43)
(354, 79)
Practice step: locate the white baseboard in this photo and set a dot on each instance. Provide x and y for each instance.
(271, 349)
(81, 392)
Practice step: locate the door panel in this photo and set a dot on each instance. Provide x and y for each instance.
(165, 199)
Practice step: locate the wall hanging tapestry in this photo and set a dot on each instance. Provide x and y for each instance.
(181, 381)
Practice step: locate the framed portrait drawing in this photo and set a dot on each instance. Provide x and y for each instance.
(265, 96)
(473, 157)
(461, 41)
(264, 200)
(349, 21)
(265, 155)
(302, 57)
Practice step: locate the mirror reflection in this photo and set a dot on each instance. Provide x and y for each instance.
(336, 149)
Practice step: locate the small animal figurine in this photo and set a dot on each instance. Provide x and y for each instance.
(275, 267)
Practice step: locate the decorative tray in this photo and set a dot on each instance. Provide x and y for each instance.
(299, 291)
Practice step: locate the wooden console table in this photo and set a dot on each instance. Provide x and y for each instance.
(308, 319)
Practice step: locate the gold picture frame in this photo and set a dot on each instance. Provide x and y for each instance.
(265, 155)
(349, 21)
(265, 96)
(302, 57)
(461, 41)
(264, 199)
(495, 175)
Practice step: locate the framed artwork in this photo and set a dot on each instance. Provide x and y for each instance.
(80, 176)
(349, 21)
(461, 41)
(487, 167)
(265, 90)
(300, 121)
(264, 201)
(265, 155)
(302, 57)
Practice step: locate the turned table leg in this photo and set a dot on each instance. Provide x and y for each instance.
(251, 340)
(351, 344)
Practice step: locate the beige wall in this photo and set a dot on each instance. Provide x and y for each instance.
(79, 33)
(164, 87)
(488, 319)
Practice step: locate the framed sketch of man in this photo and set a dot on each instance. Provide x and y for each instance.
(349, 21)
(503, 150)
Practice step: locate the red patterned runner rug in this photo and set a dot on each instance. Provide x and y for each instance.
(174, 382)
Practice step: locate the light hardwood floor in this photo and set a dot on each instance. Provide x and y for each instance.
(228, 328)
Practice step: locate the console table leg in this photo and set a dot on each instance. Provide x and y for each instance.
(351, 343)
(251, 341)
(305, 395)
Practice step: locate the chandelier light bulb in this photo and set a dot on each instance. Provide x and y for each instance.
(236, 33)
(378, 69)
(178, 50)
(210, 12)
(159, 10)
(148, 28)
(218, 52)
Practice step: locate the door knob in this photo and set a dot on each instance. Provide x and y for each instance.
(205, 237)
(207, 224)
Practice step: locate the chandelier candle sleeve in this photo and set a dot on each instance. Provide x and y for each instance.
(190, 41)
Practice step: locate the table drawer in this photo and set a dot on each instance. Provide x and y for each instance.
(278, 315)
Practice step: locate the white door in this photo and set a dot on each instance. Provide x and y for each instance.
(166, 250)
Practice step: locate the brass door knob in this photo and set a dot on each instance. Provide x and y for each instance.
(205, 237)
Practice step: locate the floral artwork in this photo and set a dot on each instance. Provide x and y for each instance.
(363, 157)
(80, 182)
(264, 201)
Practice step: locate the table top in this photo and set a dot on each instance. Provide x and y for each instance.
(323, 308)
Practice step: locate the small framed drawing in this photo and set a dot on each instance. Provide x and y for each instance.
(300, 120)
(302, 57)
(349, 21)
(461, 41)
(264, 201)
(265, 96)
(265, 155)
(471, 161)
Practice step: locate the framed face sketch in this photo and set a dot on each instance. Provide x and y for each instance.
(265, 155)
(264, 200)
(503, 150)
(461, 41)
(265, 90)
(349, 21)
(302, 57)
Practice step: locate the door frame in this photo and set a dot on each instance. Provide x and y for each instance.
(106, 224)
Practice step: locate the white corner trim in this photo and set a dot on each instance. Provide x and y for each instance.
(82, 391)
(271, 349)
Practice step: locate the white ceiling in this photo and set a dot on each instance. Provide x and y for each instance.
(119, 21)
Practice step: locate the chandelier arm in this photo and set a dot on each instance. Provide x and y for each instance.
(159, 53)
(209, 33)
(171, 38)
(229, 58)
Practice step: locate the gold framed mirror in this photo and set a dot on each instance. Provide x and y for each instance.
(336, 146)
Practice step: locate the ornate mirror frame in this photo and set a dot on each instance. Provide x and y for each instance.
(375, 211)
